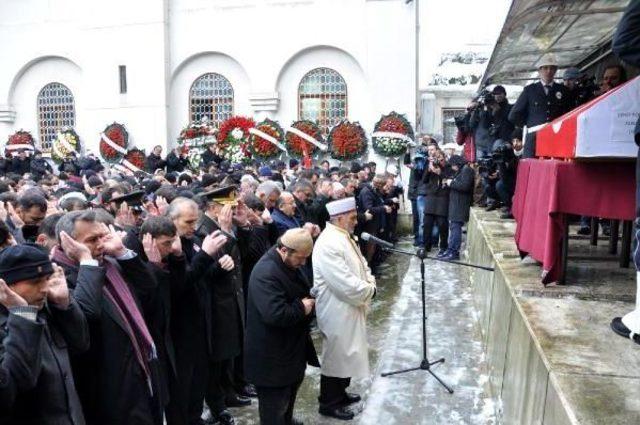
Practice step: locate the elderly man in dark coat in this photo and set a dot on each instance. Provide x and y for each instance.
(117, 378)
(278, 346)
(39, 323)
(460, 185)
(191, 315)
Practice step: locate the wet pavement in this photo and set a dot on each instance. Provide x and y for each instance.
(395, 337)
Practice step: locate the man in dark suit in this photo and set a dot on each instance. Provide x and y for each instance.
(117, 379)
(40, 322)
(540, 102)
(278, 346)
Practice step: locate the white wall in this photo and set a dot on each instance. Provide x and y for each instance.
(263, 47)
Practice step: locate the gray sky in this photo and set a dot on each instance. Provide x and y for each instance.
(457, 25)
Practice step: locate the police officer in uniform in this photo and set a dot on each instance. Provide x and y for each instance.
(540, 102)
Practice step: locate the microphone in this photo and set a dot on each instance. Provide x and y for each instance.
(369, 238)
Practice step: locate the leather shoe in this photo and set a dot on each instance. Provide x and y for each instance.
(351, 398)
(223, 417)
(237, 401)
(248, 391)
(336, 412)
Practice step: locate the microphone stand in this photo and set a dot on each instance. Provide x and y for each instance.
(425, 364)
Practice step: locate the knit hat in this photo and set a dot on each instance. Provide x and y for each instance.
(24, 262)
(298, 240)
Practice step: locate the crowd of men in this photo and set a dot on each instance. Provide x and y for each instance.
(134, 298)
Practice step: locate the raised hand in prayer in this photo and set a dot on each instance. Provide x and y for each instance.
(57, 290)
(213, 243)
(151, 249)
(8, 298)
(74, 250)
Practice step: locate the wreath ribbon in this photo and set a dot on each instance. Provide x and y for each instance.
(19, 146)
(268, 138)
(308, 138)
(130, 166)
(60, 138)
(115, 146)
(392, 135)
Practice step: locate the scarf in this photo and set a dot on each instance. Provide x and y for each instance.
(117, 291)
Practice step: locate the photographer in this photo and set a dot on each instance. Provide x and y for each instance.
(417, 166)
(479, 117)
(436, 202)
(504, 161)
(580, 87)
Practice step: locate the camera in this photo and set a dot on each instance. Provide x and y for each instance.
(586, 89)
(487, 166)
(486, 98)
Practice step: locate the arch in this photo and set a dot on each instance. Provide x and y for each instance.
(36, 62)
(28, 82)
(195, 66)
(56, 110)
(323, 97)
(329, 57)
(211, 97)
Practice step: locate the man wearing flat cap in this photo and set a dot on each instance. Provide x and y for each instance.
(39, 322)
(540, 102)
(278, 346)
(343, 286)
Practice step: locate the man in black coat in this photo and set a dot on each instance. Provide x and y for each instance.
(40, 322)
(460, 185)
(176, 161)
(39, 166)
(191, 315)
(539, 103)
(227, 387)
(117, 379)
(158, 245)
(154, 160)
(277, 342)
(21, 163)
(370, 199)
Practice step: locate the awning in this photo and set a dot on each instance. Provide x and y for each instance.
(571, 30)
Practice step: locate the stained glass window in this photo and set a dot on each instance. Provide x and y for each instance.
(211, 97)
(55, 111)
(322, 97)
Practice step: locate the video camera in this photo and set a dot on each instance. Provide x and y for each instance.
(586, 89)
(486, 98)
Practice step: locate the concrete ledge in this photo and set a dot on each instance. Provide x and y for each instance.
(552, 357)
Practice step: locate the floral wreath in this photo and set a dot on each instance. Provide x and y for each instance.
(113, 142)
(21, 139)
(134, 160)
(265, 148)
(198, 133)
(391, 135)
(233, 139)
(66, 142)
(347, 141)
(297, 146)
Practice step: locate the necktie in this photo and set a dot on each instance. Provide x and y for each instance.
(546, 89)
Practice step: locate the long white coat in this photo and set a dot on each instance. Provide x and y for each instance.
(343, 285)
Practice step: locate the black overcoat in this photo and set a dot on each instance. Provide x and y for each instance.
(277, 341)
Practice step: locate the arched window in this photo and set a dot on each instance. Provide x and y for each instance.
(322, 97)
(211, 97)
(55, 111)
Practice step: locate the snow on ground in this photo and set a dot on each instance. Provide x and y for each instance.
(395, 336)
